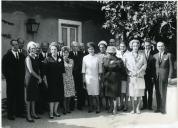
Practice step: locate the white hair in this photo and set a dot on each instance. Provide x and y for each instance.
(29, 45)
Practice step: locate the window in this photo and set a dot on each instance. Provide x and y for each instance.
(69, 31)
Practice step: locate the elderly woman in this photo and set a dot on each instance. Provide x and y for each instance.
(32, 79)
(113, 69)
(54, 68)
(92, 69)
(69, 86)
(124, 84)
(136, 65)
(102, 47)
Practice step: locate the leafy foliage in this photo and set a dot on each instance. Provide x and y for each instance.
(140, 19)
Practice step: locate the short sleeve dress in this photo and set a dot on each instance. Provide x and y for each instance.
(53, 71)
(69, 86)
(31, 82)
(91, 67)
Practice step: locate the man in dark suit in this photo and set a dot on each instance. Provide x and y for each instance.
(42, 54)
(164, 73)
(150, 76)
(77, 73)
(44, 51)
(13, 68)
(21, 43)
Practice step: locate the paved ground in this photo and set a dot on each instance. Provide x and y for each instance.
(82, 119)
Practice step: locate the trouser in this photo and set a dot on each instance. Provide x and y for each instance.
(148, 98)
(161, 92)
(15, 99)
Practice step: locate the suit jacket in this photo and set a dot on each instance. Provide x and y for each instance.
(13, 69)
(77, 69)
(151, 69)
(164, 69)
(24, 52)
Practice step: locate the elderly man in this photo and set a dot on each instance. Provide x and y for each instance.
(82, 49)
(77, 56)
(164, 73)
(112, 42)
(21, 43)
(44, 51)
(150, 76)
(60, 45)
(13, 68)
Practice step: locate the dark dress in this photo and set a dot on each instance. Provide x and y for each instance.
(53, 71)
(31, 82)
(113, 69)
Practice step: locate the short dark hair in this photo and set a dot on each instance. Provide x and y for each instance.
(18, 39)
(91, 44)
(65, 48)
(12, 42)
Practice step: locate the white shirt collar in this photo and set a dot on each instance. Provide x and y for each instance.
(14, 53)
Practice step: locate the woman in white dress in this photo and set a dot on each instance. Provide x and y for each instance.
(92, 69)
(136, 65)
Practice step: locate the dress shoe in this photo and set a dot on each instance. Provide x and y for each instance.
(11, 117)
(79, 108)
(150, 108)
(125, 109)
(68, 111)
(36, 117)
(98, 111)
(143, 108)
(157, 111)
(90, 111)
(163, 111)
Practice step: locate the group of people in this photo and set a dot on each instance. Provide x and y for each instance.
(59, 77)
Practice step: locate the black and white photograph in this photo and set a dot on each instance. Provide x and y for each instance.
(89, 64)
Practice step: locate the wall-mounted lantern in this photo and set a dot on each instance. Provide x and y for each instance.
(32, 26)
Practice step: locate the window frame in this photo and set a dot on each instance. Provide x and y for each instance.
(69, 22)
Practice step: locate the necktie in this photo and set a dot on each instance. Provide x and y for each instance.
(160, 57)
(16, 55)
(147, 52)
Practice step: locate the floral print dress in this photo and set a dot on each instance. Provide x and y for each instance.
(69, 86)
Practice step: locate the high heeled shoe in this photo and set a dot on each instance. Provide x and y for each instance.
(51, 116)
(35, 117)
(138, 111)
(57, 114)
(114, 112)
(29, 120)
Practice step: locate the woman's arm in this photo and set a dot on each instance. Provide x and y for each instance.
(29, 66)
(141, 71)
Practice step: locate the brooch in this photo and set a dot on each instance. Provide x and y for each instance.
(59, 60)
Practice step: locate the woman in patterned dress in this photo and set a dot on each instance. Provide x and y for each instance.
(136, 65)
(69, 86)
